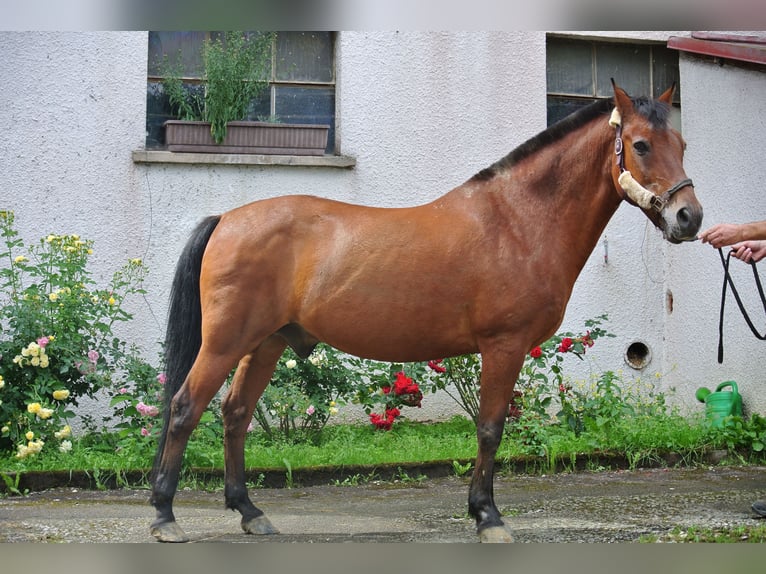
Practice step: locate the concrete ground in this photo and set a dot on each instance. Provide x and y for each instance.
(606, 506)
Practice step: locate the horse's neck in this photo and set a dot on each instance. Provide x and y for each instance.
(569, 186)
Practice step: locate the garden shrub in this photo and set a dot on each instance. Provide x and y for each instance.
(57, 342)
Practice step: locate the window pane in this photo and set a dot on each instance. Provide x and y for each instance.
(307, 105)
(628, 64)
(559, 108)
(186, 46)
(569, 67)
(304, 57)
(665, 71)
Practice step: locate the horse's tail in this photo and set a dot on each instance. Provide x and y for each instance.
(183, 337)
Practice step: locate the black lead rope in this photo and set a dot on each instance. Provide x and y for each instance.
(727, 281)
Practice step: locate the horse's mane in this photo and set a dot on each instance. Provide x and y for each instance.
(655, 111)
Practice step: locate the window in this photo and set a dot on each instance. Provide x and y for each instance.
(580, 71)
(301, 84)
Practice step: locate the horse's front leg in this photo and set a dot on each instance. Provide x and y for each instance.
(253, 375)
(500, 368)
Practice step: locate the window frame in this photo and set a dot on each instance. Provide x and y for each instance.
(596, 45)
(276, 83)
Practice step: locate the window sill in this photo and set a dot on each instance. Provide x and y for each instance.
(163, 156)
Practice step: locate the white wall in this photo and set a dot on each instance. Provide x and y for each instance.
(421, 113)
(724, 121)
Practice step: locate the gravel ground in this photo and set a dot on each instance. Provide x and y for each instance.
(606, 506)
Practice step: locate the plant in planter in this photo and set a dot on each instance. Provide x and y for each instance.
(212, 117)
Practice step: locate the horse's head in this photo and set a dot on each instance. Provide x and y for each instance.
(649, 167)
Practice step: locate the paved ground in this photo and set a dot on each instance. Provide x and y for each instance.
(610, 506)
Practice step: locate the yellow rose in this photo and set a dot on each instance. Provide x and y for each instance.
(53, 297)
(44, 362)
(112, 301)
(45, 413)
(5, 429)
(34, 408)
(30, 435)
(20, 259)
(61, 394)
(35, 361)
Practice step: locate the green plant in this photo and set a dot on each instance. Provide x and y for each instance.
(388, 387)
(304, 394)
(722, 534)
(237, 69)
(461, 381)
(461, 469)
(741, 434)
(540, 380)
(57, 341)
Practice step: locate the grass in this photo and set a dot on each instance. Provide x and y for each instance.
(756, 533)
(339, 446)
(640, 441)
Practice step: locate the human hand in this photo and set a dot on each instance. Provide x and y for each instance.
(721, 234)
(749, 250)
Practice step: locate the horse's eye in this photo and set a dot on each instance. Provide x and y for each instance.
(641, 147)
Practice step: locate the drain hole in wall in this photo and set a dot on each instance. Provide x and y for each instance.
(638, 355)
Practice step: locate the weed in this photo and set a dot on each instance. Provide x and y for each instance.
(461, 469)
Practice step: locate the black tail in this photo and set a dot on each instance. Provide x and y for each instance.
(183, 337)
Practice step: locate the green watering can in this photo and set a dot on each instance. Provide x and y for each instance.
(721, 404)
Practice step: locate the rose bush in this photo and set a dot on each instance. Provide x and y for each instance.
(57, 344)
(540, 380)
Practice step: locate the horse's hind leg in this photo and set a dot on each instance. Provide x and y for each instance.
(206, 376)
(253, 375)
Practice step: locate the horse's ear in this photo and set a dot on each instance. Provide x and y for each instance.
(622, 101)
(667, 95)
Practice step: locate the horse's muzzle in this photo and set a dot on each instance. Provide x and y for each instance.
(682, 224)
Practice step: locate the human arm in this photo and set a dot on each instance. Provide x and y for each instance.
(724, 234)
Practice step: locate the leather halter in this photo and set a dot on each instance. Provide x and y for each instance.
(658, 202)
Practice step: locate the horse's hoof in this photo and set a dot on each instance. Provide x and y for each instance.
(259, 525)
(169, 532)
(496, 534)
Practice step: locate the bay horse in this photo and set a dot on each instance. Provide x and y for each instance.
(487, 268)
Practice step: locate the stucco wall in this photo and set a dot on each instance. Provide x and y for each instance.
(421, 113)
(724, 119)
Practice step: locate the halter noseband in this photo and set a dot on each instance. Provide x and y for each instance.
(628, 188)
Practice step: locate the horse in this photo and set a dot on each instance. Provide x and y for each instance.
(486, 268)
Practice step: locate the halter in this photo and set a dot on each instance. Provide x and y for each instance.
(628, 188)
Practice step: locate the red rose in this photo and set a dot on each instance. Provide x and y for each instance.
(566, 345)
(536, 353)
(435, 366)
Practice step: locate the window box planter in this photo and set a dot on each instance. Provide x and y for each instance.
(248, 137)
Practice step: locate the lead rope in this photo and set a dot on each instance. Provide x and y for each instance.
(727, 280)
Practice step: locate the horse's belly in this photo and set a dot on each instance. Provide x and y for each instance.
(393, 330)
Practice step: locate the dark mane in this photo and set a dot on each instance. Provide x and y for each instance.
(554, 133)
(655, 111)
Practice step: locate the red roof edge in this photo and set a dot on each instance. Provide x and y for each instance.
(732, 47)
